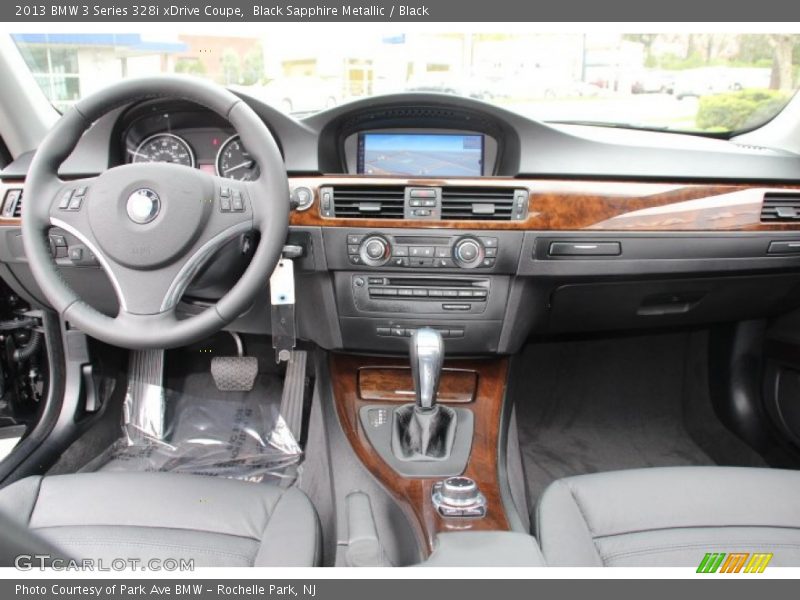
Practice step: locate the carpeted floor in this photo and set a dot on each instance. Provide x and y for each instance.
(605, 404)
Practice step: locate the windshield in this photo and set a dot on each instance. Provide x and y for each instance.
(701, 82)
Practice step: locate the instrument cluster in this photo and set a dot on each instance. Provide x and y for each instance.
(191, 139)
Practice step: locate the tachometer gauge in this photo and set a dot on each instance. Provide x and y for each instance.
(164, 147)
(234, 162)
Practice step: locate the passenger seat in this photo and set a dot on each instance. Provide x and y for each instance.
(670, 517)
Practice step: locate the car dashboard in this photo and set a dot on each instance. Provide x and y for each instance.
(424, 209)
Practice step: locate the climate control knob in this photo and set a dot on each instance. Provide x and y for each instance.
(468, 253)
(374, 251)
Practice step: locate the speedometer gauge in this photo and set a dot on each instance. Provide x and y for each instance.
(234, 162)
(164, 147)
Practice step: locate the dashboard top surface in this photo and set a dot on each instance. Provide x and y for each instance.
(526, 148)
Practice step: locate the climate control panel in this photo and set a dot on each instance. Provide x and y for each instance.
(447, 252)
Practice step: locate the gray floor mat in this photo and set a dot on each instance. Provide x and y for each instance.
(608, 404)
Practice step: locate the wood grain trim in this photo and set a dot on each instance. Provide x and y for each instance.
(414, 495)
(560, 205)
(394, 384)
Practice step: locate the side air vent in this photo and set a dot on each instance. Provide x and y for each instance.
(18, 207)
(481, 203)
(369, 202)
(12, 203)
(780, 208)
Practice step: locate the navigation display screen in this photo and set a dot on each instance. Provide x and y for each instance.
(421, 154)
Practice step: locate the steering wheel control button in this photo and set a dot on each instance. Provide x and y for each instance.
(237, 204)
(63, 202)
(143, 206)
(231, 200)
(458, 497)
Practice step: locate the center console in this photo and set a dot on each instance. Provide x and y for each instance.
(389, 283)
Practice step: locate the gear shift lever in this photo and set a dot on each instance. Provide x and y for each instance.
(427, 356)
(424, 430)
(426, 438)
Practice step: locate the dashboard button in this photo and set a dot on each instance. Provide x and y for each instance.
(352, 249)
(355, 259)
(374, 251)
(456, 306)
(399, 261)
(400, 251)
(488, 262)
(354, 239)
(468, 253)
(422, 193)
(421, 262)
(421, 251)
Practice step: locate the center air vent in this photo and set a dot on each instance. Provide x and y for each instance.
(780, 208)
(369, 202)
(482, 203)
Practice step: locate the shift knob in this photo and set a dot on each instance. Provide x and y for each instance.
(427, 356)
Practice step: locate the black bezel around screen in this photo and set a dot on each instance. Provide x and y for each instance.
(362, 142)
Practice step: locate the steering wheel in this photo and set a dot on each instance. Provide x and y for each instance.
(152, 226)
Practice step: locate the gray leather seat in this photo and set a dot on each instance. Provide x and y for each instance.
(216, 522)
(670, 516)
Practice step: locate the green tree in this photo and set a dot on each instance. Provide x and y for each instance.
(190, 66)
(783, 46)
(253, 70)
(647, 40)
(230, 66)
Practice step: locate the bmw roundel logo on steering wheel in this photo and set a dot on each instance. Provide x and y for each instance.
(143, 206)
